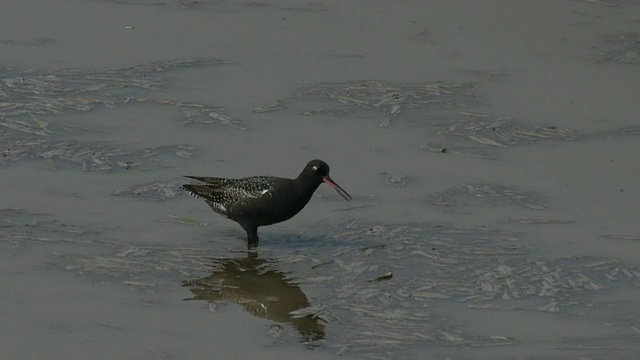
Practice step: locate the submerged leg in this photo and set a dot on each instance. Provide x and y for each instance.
(252, 235)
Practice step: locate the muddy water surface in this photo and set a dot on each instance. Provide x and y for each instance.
(491, 149)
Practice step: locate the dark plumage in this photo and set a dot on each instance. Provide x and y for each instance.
(262, 200)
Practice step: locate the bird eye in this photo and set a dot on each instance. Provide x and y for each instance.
(315, 168)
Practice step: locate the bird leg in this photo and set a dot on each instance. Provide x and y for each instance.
(252, 235)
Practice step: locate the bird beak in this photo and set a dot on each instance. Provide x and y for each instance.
(334, 185)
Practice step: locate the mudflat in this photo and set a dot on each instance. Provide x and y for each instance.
(491, 149)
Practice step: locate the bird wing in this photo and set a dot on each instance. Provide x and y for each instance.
(256, 186)
(226, 191)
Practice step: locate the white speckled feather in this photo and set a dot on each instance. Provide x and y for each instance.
(221, 194)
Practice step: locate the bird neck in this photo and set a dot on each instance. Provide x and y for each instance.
(307, 183)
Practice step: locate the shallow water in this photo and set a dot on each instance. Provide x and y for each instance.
(491, 149)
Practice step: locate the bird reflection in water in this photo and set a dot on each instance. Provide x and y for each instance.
(257, 285)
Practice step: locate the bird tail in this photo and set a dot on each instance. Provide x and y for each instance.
(213, 188)
(208, 180)
(200, 191)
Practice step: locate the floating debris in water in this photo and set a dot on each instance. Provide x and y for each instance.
(391, 99)
(384, 277)
(90, 156)
(471, 137)
(32, 93)
(621, 237)
(275, 106)
(395, 180)
(482, 136)
(541, 221)
(622, 48)
(187, 221)
(316, 266)
(155, 191)
(488, 195)
(21, 227)
(28, 96)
